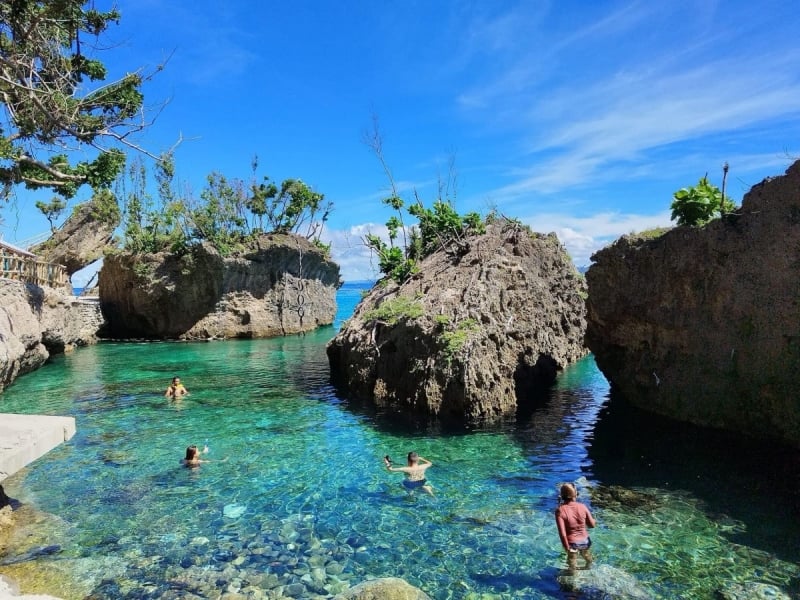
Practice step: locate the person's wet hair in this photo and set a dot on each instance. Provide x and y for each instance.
(413, 457)
(568, 492)
(191, 452)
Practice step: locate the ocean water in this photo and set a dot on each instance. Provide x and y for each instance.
(296, 504)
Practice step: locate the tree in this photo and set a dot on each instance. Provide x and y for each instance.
(56, 98)
(52, 210)
(699, 204)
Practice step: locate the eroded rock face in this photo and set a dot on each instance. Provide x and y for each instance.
(703, 324)
(470, 336)
(283, 285)
(35, 322)
(83, 238)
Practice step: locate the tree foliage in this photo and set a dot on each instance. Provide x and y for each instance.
(57, 100)
(228, 212)
(52, 210)
(699, 204)
(440, 227)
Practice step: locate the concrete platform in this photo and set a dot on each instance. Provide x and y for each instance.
(24, 438)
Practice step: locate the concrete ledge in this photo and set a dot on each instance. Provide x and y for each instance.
(24, 438)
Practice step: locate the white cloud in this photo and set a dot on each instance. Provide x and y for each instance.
(583, 236)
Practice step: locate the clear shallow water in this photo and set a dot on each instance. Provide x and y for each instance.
(303, 507)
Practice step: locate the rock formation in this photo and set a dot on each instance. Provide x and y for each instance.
(35, 322)
(470, 336)
(703, 323)
(84, 237)
(283, 285)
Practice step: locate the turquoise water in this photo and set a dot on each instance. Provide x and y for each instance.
(297, 503)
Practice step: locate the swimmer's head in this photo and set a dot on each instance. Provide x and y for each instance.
(568, 492)
(176, 380)
(412, 457)
(191, 452)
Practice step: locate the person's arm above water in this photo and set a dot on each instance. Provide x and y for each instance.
(562, 529)
(590, 522)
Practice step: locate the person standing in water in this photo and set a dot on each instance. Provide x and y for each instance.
(415, 472)
(176, 389)
(572, 520)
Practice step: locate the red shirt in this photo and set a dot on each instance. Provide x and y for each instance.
(571, 519)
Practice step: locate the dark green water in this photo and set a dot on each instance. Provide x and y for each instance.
(304, 508)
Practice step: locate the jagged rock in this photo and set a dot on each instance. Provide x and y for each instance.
(702, 324)
(471, 335)
(84, 237)
(35, 322)
(284, 284)
(387, 588)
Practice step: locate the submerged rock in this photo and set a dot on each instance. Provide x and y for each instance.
(471, 335)
(702, 323)
(387, 588)
(283, 284)
(603, 582)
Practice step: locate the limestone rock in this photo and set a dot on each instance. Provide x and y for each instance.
(35, 322)
(283, 285)
(702, 324)
(471, 336)
(387, 588)
(83, 238)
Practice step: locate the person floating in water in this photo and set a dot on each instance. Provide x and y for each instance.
(572, 519)
(192, 458)
(176, 389)
(415, 472)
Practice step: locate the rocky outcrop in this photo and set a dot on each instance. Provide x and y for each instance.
(84, 237)
(471, 335)
(35, 322)
(283, 285)
(703, 323)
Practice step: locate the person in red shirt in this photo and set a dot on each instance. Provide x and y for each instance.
(572, 519)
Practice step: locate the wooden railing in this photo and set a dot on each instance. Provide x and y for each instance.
(28, 269)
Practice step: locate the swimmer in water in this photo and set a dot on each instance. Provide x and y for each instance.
(415, 472)
(176, 389)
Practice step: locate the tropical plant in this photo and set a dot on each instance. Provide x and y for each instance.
(52, 210)
(699, 204)
(438, 227)
(55, 96)
(227, 213)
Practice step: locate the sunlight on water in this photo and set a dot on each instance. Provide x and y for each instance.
(297, 501)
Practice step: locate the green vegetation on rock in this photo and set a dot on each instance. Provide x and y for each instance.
(395, 309)
(228, 215)
(699, 204)
(439, 227)
(455, 339)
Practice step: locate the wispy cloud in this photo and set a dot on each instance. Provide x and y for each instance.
(582, 236)
(619, 112)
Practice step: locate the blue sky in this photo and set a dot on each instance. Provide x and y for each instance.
(575, 117)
